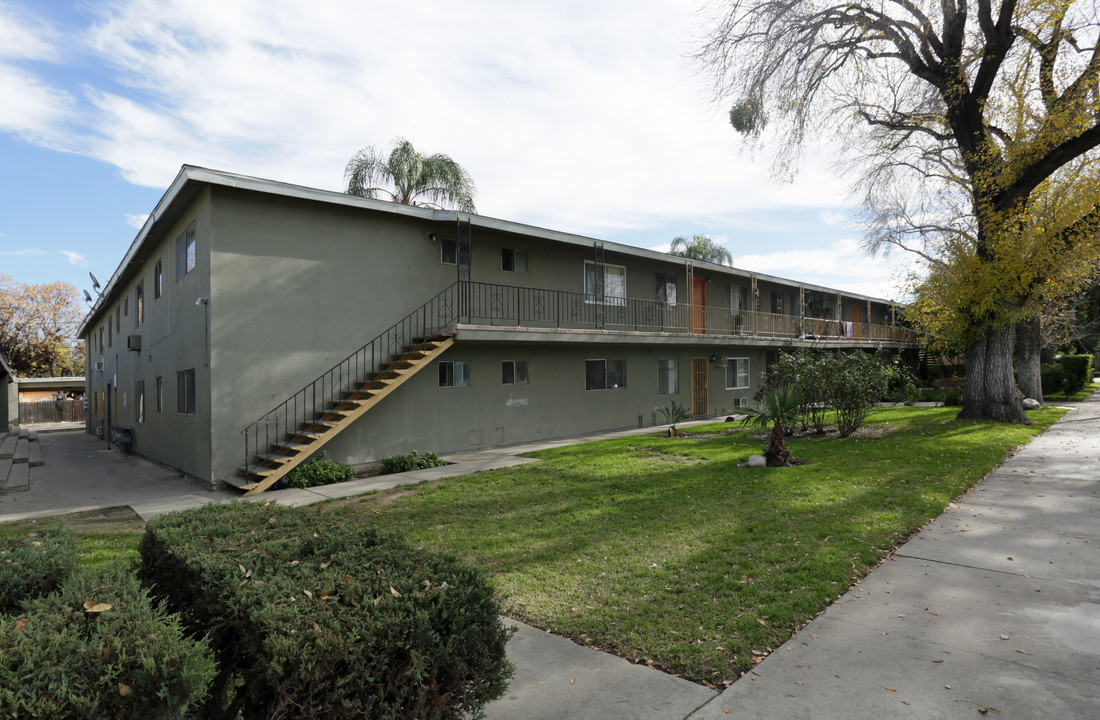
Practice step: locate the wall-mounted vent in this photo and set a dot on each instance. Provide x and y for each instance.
(133, 342)
(99, 365)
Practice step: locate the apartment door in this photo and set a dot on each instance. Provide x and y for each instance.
(700, 386)
(698, 305)
(856, 321)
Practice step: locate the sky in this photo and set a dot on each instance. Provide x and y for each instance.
(588, 118)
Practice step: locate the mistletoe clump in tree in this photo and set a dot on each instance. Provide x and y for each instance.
(998, 99)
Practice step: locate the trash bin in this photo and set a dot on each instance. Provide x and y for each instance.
(123, 437)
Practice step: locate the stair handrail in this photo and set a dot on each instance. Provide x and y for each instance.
(354, 369)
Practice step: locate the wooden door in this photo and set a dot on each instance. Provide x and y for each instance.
(856, 321)
(700, 385)
(698, 305)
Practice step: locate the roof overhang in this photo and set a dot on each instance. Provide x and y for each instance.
(191, 180)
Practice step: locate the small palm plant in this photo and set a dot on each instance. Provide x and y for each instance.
(674, 414)
(777, 409)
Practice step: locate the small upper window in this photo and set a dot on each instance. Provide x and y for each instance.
(452, 252)
(158, 280)
(513, 372)
(454, 374)
(139, 304)
(185, 392)
(513, 260)
(185, 252)
(125, 307)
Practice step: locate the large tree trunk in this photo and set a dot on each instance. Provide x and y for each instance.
(990, 392)
(1027, 358)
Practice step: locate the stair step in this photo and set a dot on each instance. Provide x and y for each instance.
(36, 458)
(239, 482)
(24, 434)
(290, 448)
(22, 451)
(18, 477)
(7, 447)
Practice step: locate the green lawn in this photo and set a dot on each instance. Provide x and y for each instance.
(664, 551)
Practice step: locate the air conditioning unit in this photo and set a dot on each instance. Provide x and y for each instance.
(99, 365)
(740, 402)
(133, 342)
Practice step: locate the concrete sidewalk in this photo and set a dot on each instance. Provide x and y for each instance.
(994, 605)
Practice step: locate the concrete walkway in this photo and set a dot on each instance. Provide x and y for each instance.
(995, 606)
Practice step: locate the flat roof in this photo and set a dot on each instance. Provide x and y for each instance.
(190, 179)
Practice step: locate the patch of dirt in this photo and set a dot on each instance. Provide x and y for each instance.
(89, 522)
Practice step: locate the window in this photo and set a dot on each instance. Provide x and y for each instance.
(185, 252)
(125, 307)
(737, 374)
(604, 374)
(666, 289)
(513, 260)
(454, 374)
(513, 372)
(777, 303)
(110, 332)
(139, 304)
(614, 283)
(160, 394)
(118, 319)
(668, 376)
(453, 253)
(101, 338)
(158, 280)
(185, 392)
(139, 400)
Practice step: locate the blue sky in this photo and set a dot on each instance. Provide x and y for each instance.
(582, 117)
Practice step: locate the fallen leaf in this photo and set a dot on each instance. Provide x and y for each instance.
(904, 702)
(394, 592)
(984, 710)
(124, 689)
(21, 624)
(325, 565)
(947, 686)
(812, 635)
(242, 568)
(797, 682)
(892, 689)
(725, 709)
(207, 538)
(1006, 637)
(97, 607)
(1022, 652)
(937, 661)
(308, 594)
(901, 615)
(572, 680)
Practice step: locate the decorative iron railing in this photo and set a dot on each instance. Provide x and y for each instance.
(492, 304)
(273, 431)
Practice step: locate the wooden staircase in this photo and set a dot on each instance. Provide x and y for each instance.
(312, 434)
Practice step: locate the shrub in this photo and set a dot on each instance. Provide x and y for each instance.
(952, 396)
(857, 382)
(674, 414)
(412, 461)
(319, 471)
(1051, 376)
(1076, 372)
(318, 616)
(35, 565)
(69, 656)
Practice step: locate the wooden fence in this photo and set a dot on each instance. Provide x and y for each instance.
(49, 411)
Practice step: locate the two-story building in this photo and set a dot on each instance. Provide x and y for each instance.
(252, 323)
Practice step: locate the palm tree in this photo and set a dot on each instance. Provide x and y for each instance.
(407, 177)
(701, 248)
(777, 409)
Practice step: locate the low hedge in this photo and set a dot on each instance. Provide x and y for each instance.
(320, 471)
(1076, 372)
(312, 616)
(35, 565)
(99, 650)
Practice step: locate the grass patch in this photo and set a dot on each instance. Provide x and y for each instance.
(664, 551)
(103, 537)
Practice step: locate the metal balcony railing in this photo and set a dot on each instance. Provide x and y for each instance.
(508, 305)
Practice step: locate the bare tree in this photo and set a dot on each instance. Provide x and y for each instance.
(987, 99)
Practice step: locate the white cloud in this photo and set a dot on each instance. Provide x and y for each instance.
(842, 264)
(24, 37)
(24, 252)
(136, 221)
(74, 258)
(580, 116)
(833, 219)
